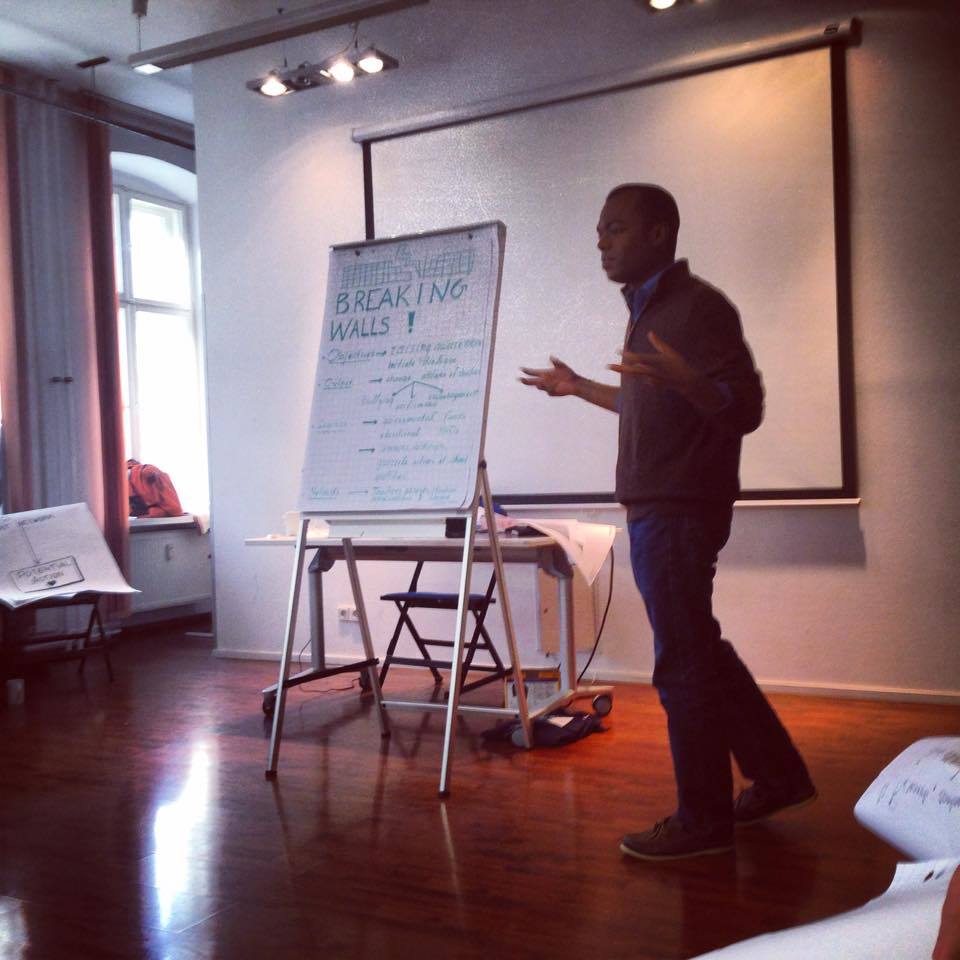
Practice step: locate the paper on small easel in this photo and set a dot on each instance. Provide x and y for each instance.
(57, 552)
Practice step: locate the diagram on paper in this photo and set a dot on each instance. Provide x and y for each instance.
(43, 574)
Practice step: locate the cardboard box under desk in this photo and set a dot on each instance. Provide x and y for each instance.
(541, 683)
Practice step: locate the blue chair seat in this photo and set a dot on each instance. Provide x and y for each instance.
(479, 641)
(439, 601)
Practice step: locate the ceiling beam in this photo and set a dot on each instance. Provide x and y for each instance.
(320, 16)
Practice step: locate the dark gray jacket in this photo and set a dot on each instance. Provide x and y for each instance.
(669, 450)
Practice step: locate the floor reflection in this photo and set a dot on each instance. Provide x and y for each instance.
(14, 929)
(179, 827)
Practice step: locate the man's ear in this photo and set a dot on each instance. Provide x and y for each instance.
(658, 234)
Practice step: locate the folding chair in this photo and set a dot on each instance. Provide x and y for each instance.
(19, 646)
(478, 604)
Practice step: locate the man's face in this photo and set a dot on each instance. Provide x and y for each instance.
(630, 252)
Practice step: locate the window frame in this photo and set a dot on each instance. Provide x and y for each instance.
(128, 304)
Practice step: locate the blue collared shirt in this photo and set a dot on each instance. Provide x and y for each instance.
(638, 297)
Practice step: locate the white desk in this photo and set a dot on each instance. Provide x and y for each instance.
(542, 551)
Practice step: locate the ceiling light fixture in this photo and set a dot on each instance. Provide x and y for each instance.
(342, 70)
(273, 85)
(371, 60)
(656, 6)
(139, 10)
(343, 67)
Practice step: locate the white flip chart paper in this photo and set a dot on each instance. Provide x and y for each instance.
(902, 923)
(914, 804)
(57, 552)
(400, 395)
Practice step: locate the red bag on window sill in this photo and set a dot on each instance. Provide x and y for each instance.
(151, 491)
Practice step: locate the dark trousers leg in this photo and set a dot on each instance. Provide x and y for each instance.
(758, 740)
(712, 703)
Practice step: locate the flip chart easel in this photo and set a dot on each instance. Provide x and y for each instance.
(397, 427)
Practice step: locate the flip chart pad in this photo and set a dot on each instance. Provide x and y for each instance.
(400, 396)
(56, 552)
(914, 804)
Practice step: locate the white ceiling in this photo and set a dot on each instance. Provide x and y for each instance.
(50, 37)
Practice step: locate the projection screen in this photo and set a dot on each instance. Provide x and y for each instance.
(747, 151)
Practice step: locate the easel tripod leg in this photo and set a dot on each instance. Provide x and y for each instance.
(456, 659)
(497, 553)
(281, 701)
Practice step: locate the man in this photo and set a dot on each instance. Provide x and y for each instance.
(688, 393)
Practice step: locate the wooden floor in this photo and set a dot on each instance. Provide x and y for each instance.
(135, 821)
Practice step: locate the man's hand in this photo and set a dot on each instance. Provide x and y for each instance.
(556, 381)
(668, 368)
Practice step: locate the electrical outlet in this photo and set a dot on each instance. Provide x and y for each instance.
(347, 613)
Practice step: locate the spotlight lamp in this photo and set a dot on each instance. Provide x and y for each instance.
(341, 70)
(656, 6)
(373, 60)
(343, 67)
(273, 85)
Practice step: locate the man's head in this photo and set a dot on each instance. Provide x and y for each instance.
(637, 232)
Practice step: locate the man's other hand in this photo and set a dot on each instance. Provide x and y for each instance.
(664, 367)
(556, 381)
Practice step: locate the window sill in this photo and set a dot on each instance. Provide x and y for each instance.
(145, 524)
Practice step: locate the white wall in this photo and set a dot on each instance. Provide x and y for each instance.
(832, 597)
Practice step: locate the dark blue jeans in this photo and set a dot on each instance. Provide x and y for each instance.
(713, 705)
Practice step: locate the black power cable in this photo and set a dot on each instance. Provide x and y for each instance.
(603, 622)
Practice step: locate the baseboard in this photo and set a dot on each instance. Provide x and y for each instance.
(247, 655)
(856, 691)
(850, 691)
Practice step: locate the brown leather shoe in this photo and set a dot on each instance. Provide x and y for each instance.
(668, 840)
(758, 802)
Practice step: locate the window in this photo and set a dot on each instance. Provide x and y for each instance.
(160, 353)
(3, 481)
